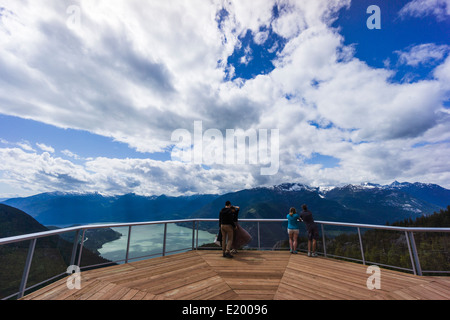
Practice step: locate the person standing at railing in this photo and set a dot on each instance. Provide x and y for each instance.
(241, 236)
(293, 229)
(312, 229)
(227, 227)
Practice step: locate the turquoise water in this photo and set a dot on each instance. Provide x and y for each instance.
(148, 240)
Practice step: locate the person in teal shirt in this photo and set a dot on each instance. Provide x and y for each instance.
(293, 229)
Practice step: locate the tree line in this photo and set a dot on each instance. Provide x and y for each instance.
(391, 248)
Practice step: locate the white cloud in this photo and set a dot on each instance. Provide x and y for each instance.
(46, 148)
(70, 154)
(25, 145)
(423, 54)
(30, 171)
(419, 8)
(442, 73)
(261, 37)
(137, 74)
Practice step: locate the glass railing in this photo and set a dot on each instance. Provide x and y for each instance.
(31, 261)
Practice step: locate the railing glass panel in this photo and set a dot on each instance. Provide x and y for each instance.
(12, 261)
(30, 261)
(433, 250)
(116, 250)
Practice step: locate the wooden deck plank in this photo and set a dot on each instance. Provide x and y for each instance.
(429, 292)
(203, 287)
(152, 276)
(442, 286)
(149, 296)
(100, 293)
(108, 272)
(139, 295)
(355, 275)
(36, 294)
(92, 289)
(206, 275)
(167, 285)
(48, 295)
(286, 292)
(304, 285)
(253, 274)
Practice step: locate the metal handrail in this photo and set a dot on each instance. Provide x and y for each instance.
(43, 234)
(409, 233)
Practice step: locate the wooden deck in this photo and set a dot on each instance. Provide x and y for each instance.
(268, 275)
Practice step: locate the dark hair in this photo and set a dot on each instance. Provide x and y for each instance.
(228, 203)
(292, 210)
(304, 207)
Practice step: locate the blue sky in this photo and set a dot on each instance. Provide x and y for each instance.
(15, 130)
(397, 33)
(90, 92)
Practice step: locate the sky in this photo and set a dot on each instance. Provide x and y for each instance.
(134, 96)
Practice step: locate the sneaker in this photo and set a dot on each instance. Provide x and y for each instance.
(227, 255)
(309, 254)
(295, 251)
(291, 251)
(314, 254)
(234, 251)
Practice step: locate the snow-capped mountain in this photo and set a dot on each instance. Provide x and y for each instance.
(431, 193)
(364, 203)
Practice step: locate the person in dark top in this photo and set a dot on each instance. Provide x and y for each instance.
(227, 227)
(312, 229)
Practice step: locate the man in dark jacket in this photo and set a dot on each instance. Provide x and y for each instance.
(312, 229)
(227, 226)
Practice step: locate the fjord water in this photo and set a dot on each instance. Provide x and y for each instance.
(148, 240)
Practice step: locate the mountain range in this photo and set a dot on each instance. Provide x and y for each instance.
(365, 203)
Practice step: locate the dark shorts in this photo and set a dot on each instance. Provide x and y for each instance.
(313, 232)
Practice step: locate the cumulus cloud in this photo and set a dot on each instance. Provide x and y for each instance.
(46, 148)
(418, 8)
(34, 173)
(426, 53)
(25, 145)
(137, 75)
(40, 172)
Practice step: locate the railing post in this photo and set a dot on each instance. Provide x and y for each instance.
(164, 240)
(410, 253)
(361, 246)
(259, 238)
(26, 270)
(415, 255)
(75, 247)
(196, 242)
(323, 240)
(128, 244)
(193, 234)
(81, 248)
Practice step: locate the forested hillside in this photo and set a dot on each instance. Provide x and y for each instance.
(51, 256)
(390, 247)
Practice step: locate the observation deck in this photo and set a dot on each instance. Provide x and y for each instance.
(256, 273)
(250, 275)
